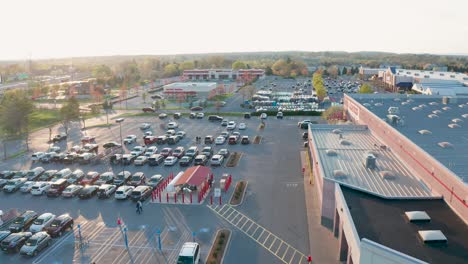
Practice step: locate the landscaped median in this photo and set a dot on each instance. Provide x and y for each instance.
(233, 159)
(239, 192)
(218, 249)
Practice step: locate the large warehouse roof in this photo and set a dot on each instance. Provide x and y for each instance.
(342, 152)
(440, 130)
(191, 86)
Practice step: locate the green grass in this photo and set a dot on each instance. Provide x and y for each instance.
(221, 97)
(43, 118)
(18, 154)
(100, 125)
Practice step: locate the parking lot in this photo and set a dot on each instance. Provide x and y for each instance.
(274, 200)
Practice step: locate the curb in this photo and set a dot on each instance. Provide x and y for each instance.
(243, 195)
(227, 243)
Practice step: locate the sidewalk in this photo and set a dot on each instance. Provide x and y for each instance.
(323, 245)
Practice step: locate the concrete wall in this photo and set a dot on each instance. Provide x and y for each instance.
(347, 226)
(372, 252)
(435, 175)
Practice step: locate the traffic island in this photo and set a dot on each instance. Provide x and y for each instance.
(261, 126)
(233, 159)
(239, 192)
(219, 247)
(257, 139)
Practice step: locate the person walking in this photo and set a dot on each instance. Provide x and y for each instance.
(140, 206)
(138, 209)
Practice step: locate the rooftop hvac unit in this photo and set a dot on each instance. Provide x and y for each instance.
(393, 119)
(370, 161)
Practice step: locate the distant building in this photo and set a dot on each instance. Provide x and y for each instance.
(223, 74)
(190, 89)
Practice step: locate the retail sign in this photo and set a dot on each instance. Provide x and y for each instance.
(217, 192)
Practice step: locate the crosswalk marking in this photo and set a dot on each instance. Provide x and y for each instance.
(269, 241)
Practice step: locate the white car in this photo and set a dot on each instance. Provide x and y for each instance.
(43, 221)
(263, 116)
(200, 115)
(217, 160)
(123, 192)
(145, 126)
(139, 149)
(151, 151)
(40, 188)
(26, 187)
(37, 156)
(172, 125)
(55, 149)
(75, 148)
(130, 139)
(220, 140)
(72, 190)
(140, 160)
(242, 126)
(106, 190)
(169, 161)
(231, 125)
(148, 133)
(225, 134)
(180, 133)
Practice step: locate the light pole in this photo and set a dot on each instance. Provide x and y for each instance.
(119, 121)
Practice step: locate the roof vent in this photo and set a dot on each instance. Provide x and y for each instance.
(465, 115)
(339, 174)
(436, 112)
(433, 103)
(337, 131)
(417, 216)
(366, 104)
(457, 120)
(396, 99)
(378, 104)
(416, 108)
(462, 106)
(422, 105)
(454, 126)
(370, 161)
(432, 236)
(445, 144)
(432, 116)
(345, 142)
(410, 100)
(424, 132)
(387, 175)
(404, 103)
(331, 152)
(446, 108)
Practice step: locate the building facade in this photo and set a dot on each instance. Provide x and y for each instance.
(223, 74)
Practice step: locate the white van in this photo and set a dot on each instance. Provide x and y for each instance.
(189, 253)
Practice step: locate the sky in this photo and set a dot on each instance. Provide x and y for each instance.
(72, 28)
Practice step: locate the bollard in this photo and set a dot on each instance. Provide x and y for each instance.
(167, 197)
(211, 200)
(159, 197)
(183, 198)
(219, 200)
(175, 197)
(190, 197)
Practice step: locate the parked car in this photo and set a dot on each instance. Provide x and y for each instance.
(185, 161)
(48, 157)
(123, 192)
(231, 125)
(122, 178)
(26, 187)
(151, 151)
(140, 160)
(90, 148)
(225, 134)
(242, 126)
(196, 108)
(90, 178)
(41, 222)
(106, 191)
(105, 178)
(7, 174)
(189, 253)
(62, 174)
(233, 140)
(4, 234)
(177, 115)
(181, 134)
(162, 116)
(88, 191)
(279, 115)
(111, 144)
(145, 126)
(76, 177)
(220, 140)
(200, 115)
(60, 225)
(200, 160)
(263, 116)
(57, 188)
(141, 193)
(37, 156)
(86, 158)
(137, 178)
(70, 158)
(224, 123)
(14, 184)
(14, 242)
(245, 140)
(130, 139)
(155, 159)
(217, 160)
(36, 244)
(72, 190)
(127, 159)
(59, 137)
(223, 152)
(209, 139)
(207, 151)
(161, 140)
(215, 118)
(192, 151)
(192, 115)
(148, 140)
(247, 115)
(172, 125)
(155, 180)
(40, 188)
(47, 175)
(170, 161)
(178, 152)
(166, 152)
(20, 174)
(172, 140)
(23, 221)
(88, 139)
(148, 110)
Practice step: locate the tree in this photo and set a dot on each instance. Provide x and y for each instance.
(186, 65)
(268, 70)
(317, 82)
(237, 65)
(15, 108)
(70, 111)
(156, 105)
(365, 89)
(171, 70)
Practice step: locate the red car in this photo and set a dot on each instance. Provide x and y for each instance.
(150, 140)
(166, 152)
(88, 139)
(196, 108)
(90, 178)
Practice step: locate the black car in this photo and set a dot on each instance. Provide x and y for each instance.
(215, 118)
(14, 242)
(88, 191)
(47, 175)
(60, 225)
(305, 135)
(247, 115)
(155, 159)
(186, 161)
(4, 234)
(23, 222)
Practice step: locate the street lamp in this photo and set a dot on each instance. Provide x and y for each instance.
(119, 121)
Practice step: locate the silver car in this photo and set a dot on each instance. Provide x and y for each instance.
(36, 244)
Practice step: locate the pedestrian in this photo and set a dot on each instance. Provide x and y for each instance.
(140, 205)
(138, 209)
